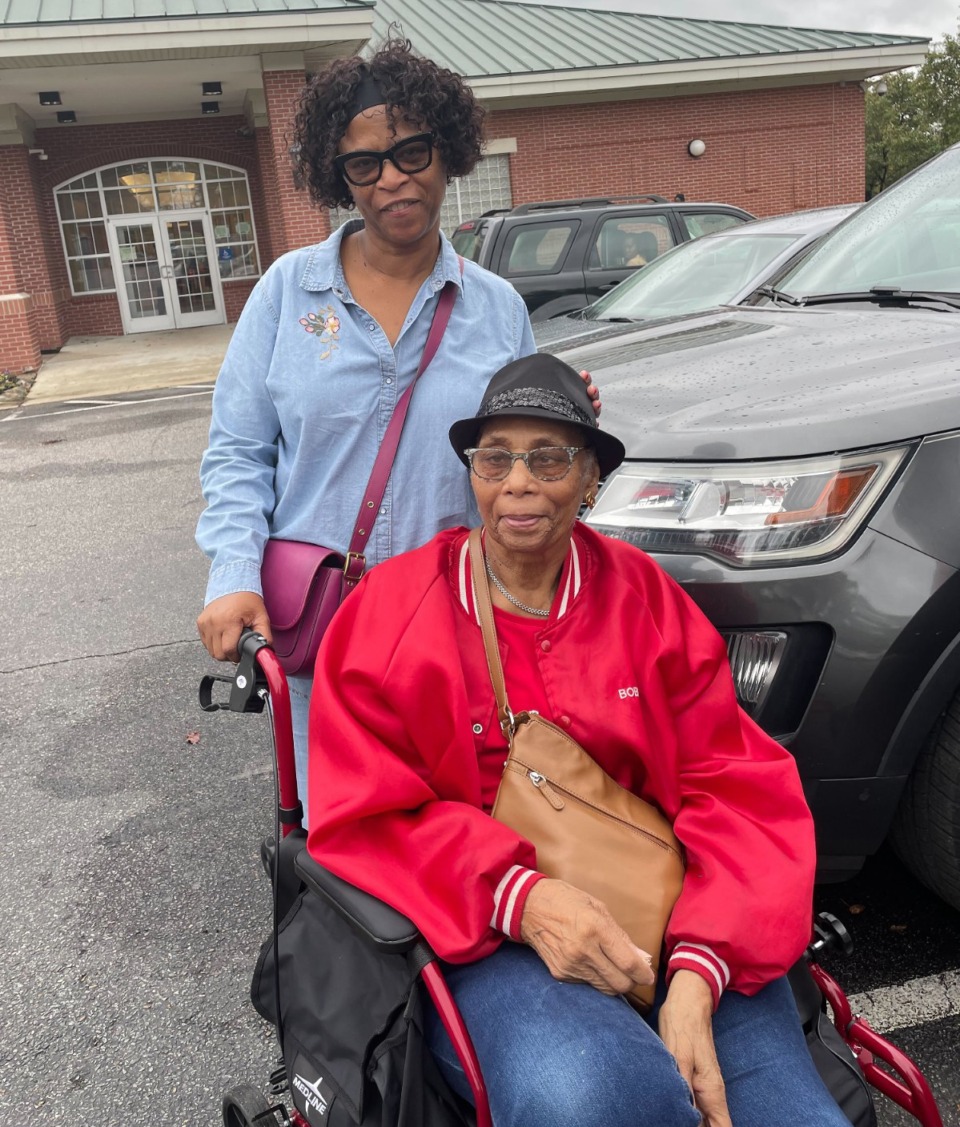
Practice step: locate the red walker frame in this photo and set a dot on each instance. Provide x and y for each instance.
(908, 1088)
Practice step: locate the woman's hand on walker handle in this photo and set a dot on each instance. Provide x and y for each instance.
(592, 390)
(686, 1028)
(221, 622)
(580, 941)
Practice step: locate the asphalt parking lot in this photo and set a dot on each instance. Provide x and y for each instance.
(131, 897)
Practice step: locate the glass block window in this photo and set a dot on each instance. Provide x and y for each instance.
(154, 187)
(486, 188)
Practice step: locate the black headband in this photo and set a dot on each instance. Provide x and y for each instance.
(368, 93)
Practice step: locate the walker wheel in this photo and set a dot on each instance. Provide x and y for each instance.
(246, 1106)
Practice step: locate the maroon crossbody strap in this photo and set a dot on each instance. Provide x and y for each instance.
(380, 474)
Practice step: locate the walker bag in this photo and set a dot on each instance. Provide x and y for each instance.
(351, 1025)
(303, 584)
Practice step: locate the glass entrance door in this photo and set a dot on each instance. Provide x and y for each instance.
(169, 278)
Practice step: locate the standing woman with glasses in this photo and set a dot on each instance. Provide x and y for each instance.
(332, 336)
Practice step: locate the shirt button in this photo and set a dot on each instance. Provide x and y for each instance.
(383, 510)
(388, 380)
(371, 328)
(564, 721)
(545, 645)
(478, 729)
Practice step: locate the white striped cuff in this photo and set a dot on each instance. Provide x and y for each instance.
(509, 898)
(706, 962)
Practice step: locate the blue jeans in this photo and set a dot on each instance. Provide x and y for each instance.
(565, 1055)
(300, 689)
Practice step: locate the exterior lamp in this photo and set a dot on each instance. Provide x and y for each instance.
(696, 148)
(209, 107)
(50, 98)
(66, 117)
(212, 89)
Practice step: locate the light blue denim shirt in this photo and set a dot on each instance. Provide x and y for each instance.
(303, 399)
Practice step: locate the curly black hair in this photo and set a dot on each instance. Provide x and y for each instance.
(416, 89)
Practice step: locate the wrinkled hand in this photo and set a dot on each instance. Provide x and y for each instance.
(221, 623)
(580, 941)
(592, 390)
(686, 1029)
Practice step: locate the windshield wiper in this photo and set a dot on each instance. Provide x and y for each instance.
(779, 295)
(882, 293)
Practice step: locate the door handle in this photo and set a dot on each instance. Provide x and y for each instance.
(166, 271)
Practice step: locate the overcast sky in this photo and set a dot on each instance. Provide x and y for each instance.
(929, 18)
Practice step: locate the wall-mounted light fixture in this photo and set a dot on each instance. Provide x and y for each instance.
(209, 107)
(49, 98)
(38, 153)
(66, 117)
(212, 89)
(880, 88)
(696, 148)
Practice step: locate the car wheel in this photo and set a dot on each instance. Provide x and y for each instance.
(926, 830)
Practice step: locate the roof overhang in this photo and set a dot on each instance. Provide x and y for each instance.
(740, 72)
(117, 41)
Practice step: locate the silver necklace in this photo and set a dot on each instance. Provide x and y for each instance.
(510, 599)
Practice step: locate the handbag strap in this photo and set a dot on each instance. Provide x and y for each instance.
(481, 594)
(356, 562)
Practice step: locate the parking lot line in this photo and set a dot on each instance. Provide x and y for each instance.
(910, 1003)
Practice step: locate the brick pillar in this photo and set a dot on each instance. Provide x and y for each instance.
(20, 240)
(298, 222)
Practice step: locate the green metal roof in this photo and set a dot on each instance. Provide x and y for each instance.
(481, 38)
(33, 12)
(487, 38)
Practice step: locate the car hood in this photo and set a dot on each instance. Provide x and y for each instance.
(761, 383)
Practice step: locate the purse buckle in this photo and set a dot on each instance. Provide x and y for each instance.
(349, 572)
(508, 723)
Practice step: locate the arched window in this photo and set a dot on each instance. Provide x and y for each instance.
(89, 203)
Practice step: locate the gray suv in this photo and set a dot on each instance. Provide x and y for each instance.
(563, 254)
(795, 464)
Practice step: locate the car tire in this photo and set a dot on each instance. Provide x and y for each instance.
(926, 830)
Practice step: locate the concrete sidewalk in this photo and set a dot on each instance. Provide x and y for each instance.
(101, 367)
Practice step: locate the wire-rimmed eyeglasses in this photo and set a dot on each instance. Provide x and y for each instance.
(546, 463)
(365, 166)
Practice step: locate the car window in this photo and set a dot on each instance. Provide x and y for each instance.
(695, 275)
(709, 222)
(907, 237)
(468, 239)
(537, 248)
(630, 241)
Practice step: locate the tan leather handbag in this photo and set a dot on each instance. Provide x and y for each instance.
(587, 829)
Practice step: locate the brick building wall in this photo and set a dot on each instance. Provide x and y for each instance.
(768, 151)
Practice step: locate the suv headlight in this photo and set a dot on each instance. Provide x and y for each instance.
(747, 514)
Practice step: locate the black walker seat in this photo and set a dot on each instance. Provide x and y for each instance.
(345, 994)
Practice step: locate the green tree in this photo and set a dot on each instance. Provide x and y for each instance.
(912, 116)
(899, 135)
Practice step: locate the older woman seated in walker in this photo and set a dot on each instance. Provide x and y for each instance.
(406, 757)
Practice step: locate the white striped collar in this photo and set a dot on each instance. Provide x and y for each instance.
(571, 580)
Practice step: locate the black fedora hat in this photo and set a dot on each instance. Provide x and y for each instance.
(540, 387)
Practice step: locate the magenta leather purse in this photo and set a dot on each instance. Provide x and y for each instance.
(303, 584)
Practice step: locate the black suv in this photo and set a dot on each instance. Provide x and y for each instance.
(796, 466)
(563, 254)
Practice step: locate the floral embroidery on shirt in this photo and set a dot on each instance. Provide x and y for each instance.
(326, 325)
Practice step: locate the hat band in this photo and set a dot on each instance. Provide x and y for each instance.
(540, 398)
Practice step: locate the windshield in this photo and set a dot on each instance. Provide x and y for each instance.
(693, 276)
(908, 237)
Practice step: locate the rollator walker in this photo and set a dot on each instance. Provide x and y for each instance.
(359, 944)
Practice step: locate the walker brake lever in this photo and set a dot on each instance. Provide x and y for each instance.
(248, 683)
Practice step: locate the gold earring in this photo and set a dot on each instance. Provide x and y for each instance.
(590, 500)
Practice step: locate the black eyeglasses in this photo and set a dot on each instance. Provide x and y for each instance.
(546, 463)
(365, 166)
